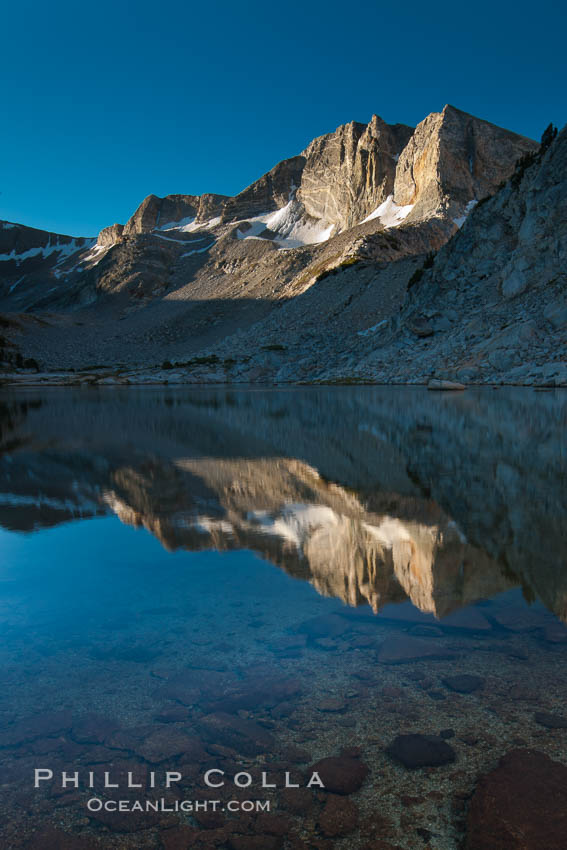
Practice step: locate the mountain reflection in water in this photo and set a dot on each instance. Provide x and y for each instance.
(187, 580)
(373, 495)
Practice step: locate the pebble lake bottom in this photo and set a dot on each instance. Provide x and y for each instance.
(209, 596)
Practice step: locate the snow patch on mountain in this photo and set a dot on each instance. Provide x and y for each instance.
(94, 255)
(461, 219)
(373, 329)
(289, 227)
(64, 250)
(176, 225)
(198, 250)
(389, 213)
(188, 225)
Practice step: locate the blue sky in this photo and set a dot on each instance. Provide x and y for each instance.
(104, 103)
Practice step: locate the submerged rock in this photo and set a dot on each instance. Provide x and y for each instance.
(124, 821)
(332, 705)
(255, 842)
(555, 633)
(168, 742)
(245, 736)
(93, 729)
(172, 714)
(550, 721)
(418, 750)
(50, 837)
(519, 619)
(464, 683)
(341, 775)
(38, 726)
(339, 817)
(298, 801)
(468, 619)
(521, 805)
(400, 648)
(179, 836)
(327, 625)
(264, 691)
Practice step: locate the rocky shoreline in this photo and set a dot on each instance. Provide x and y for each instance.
(161, 377)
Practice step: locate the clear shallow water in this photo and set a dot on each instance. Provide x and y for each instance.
(254, 581)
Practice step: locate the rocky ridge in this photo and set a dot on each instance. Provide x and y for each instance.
(490, 307)
(327, 238)
(493, 304)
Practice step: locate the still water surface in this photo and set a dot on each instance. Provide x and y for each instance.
(285, 583)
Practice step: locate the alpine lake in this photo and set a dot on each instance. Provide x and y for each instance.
(250, 619)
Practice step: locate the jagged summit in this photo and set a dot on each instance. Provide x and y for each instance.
(192, 276)
(452, 160)
(343, 178)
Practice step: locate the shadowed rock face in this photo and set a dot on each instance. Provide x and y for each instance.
(19, 240)
(27, 253)
(371, 496)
